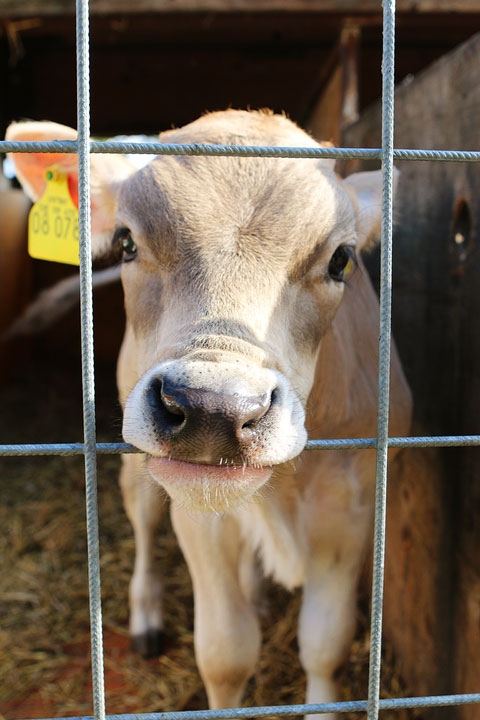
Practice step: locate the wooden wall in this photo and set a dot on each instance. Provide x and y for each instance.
(150, 71)
(433, 576)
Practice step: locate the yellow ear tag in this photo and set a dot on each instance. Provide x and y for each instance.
(53, 222)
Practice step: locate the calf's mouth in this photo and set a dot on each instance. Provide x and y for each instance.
(207, 487)
(213, 430)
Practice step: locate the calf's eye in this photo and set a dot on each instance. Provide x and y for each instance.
(342, 262)
(128, 245)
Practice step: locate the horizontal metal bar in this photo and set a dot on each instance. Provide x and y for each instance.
(443, 155)
(347, 444)
(65, 449)
(286, 710)
(155, 148)
(396, 442)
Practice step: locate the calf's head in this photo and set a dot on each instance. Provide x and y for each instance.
(233, 269)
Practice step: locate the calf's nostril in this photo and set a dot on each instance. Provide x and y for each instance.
(171, 405)
(168, 415)
(255, 411)
(250, 423)
(201, 416)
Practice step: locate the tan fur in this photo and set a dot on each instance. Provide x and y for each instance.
(229, 293)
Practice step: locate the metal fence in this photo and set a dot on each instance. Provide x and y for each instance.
(90, 448)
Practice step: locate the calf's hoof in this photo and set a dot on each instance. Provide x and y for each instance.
(150, 644)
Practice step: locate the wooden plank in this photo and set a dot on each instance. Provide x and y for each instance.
(245, 76)
(350, 41)
(418, 579)
(337, 103)
(13, 8)
(15, 275)
(324, 122)
(433, 576)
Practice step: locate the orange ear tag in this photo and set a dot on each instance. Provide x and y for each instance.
(53, 222)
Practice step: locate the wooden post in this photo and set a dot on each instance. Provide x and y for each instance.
(335, 101)
(15, 272)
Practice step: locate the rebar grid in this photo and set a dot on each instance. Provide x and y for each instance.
(384, 344)
(420, 441)
(88, 374)
(90, 448)
(159, 148)
(287, 710)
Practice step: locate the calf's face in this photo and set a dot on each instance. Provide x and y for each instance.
(233, 269)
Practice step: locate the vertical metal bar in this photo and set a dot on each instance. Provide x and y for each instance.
(388, 90)
(83, 120)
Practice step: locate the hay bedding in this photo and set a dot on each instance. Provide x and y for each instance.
(44, 635)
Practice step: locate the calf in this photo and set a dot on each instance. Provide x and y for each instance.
(251, 323)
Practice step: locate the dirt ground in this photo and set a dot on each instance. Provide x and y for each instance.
(44, 629)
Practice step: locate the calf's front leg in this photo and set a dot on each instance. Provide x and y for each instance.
(328, 616)
(144, 504)
(227, 635)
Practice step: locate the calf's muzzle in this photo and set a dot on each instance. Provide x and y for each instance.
(213, 428)
(206, 425)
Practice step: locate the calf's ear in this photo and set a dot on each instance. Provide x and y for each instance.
(367, 197)
(107, 173)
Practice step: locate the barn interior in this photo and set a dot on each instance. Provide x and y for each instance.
(155, 65)
(160, 67)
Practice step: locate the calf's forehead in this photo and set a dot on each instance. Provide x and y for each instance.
(217, 200)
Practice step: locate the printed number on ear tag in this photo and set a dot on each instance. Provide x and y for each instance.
(53, 222)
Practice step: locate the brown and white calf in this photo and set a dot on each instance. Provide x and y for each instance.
(246, 333)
